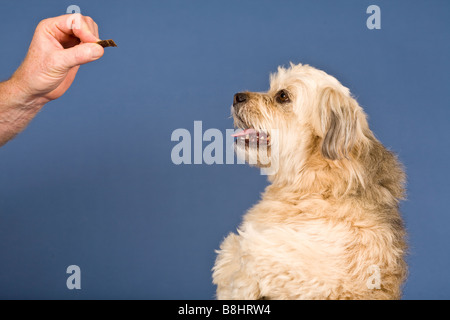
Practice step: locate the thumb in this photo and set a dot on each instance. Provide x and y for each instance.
(80, 54)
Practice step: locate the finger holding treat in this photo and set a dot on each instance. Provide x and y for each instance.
(59, 46)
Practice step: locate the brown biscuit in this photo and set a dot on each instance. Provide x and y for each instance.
(107, 43)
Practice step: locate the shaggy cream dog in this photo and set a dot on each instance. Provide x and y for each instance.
(328, 226)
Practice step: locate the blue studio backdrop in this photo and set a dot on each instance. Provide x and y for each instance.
(91, 181)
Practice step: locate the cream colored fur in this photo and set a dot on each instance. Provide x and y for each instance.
(331, 211)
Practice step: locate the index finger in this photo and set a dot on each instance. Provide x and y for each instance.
(73, 24)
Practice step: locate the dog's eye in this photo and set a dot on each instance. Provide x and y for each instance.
(282, 97)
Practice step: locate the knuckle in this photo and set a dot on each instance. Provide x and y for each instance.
(43, 23)
(75, 16)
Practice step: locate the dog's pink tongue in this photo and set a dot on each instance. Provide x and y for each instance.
(244, 133)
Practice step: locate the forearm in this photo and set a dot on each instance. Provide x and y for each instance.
(16, 110)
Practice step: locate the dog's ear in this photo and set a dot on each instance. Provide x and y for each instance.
(342, 120)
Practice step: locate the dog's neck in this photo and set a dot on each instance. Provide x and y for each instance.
(315, 177)
(364, 174)
(311, 174)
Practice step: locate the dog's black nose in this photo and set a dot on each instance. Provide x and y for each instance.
(240, 98)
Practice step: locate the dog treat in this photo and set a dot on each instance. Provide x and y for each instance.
(107, 43)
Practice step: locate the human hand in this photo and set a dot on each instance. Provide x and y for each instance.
(59, 46)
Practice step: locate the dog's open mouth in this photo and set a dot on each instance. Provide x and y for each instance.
(252, 138)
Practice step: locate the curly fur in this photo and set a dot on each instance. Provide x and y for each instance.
(331, 210)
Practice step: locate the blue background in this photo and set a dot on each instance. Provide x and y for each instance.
(91, 183)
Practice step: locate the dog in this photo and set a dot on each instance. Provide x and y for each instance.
(328, 226)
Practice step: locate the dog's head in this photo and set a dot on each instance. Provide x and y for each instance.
(310, 112)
